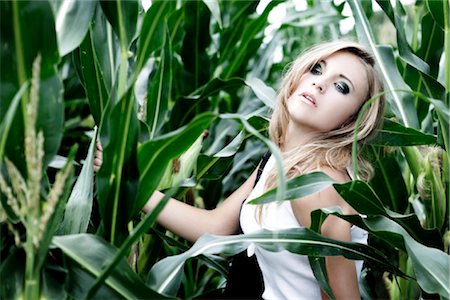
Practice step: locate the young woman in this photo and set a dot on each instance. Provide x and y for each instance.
(313, 124)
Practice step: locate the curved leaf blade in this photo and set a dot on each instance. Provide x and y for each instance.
(298, 187)
(91, 252)
(79, 206)
(166, 274)
(395, 134)
(404, 106)
(154, 155)
(72, 12)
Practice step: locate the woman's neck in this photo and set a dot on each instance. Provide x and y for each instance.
(296, 137)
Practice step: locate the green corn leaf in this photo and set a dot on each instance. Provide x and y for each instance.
(7, 118)
(67, 14)
(403, 106)
(92, 253)
(154, 155)
(92, 77)
(79, 206)
(430, 264)
(165, 276)
(159, 96)
(122, 15)
(265, 93)
(153, 30)
(214, 7)
(196, 40)
(391, 190)
(395, 134)
(117, 179)
(365, 201)
(298, 187)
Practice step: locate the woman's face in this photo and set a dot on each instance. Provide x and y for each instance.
(329, 94)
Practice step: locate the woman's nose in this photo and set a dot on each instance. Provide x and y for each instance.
(319, 85)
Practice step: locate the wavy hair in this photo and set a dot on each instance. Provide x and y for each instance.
(334, 148)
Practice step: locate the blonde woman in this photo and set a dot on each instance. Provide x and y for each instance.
(313, 125)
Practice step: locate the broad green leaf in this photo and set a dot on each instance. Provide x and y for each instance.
(20, 47)
(365, 201)
(122, 15)
(72, 12)
(92, 253)
(51, 115)
(92, 77)
(431, 47)
(395, 134)
(196, 40)
(281, 187)
(12, 272)
(235, 17)
(81, 279)
(159, 97)
(107, 48)
(403, 106)
(79, 206)
(315, 20)
(153, 30)
(232, 147)
(186, 108)
(430, 264)
(117, 179)
(265, 93)
(298, 187)
(154, 155)
(390, 189)
(404, 49)
(165, 276)
(57, 214)
(53, 280)
(242, 51)
(212, 167)
(437, 10)
(214, 7)
(140, 229)
(7, 118)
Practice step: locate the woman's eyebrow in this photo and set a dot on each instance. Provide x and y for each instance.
(348, 79)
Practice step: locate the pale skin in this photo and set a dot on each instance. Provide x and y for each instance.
(324, 99)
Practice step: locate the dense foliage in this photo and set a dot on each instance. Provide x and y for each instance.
(179, 96)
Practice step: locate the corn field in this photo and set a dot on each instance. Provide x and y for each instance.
(180, 93)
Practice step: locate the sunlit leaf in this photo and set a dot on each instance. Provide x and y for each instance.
(79, 206)
(298, 187)
(395, 134)
(91, 252)
(68, 13)
(165, 276)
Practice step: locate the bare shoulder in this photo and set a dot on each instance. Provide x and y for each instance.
(328, 197)
(340, 176)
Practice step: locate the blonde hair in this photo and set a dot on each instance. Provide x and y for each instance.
(333, 148)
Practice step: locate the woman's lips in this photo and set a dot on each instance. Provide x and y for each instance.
(309, 99)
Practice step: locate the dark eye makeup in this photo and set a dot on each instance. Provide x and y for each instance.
(316, 69)
(341, 86)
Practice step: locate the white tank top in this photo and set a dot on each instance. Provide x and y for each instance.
(286, 275)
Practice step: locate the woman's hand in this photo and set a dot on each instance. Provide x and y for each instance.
(98, 158)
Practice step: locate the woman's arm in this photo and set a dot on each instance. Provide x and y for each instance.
(191, 222)
(341, 272)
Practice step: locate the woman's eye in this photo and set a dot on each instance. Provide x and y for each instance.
(316, 69)
(342, 87)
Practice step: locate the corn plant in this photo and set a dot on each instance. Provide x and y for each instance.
(180, 94)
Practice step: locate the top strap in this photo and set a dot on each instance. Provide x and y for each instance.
(262, 164)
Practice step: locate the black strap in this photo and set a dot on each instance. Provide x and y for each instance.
(245, 279)
(262, 164)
